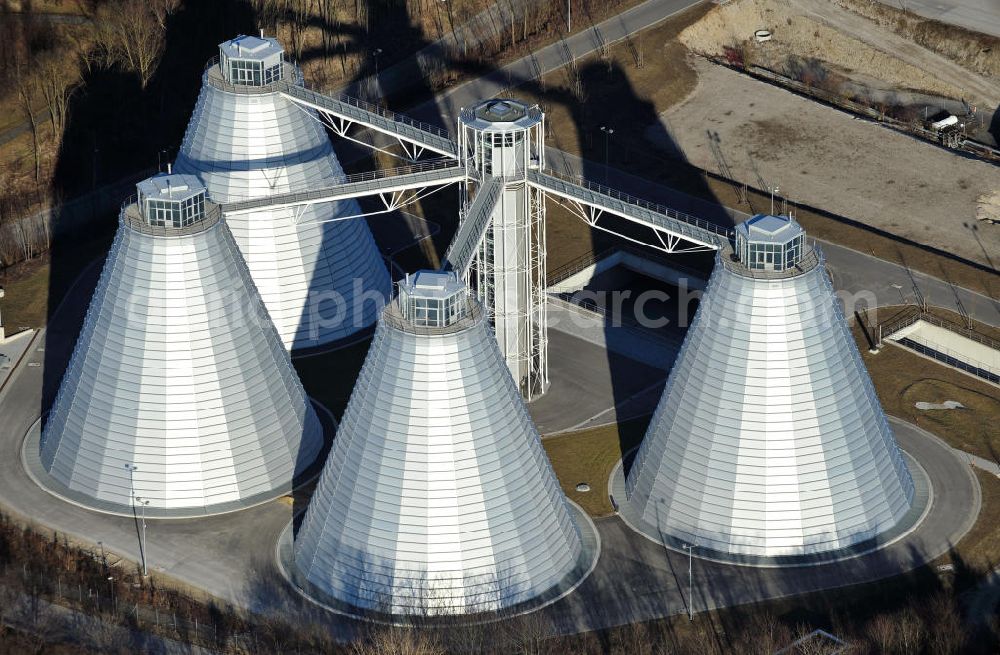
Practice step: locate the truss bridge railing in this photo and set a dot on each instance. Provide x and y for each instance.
(424, 174)
(476, 220)
(654, 215)
(378, 118)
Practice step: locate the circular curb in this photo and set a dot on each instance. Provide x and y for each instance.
(827, 558)
(32, 467)
(284, 559)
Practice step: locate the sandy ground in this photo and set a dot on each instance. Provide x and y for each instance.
(827, 159)
(819, 29)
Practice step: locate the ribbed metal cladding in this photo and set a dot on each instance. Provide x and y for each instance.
(179, 372)
(321, 282)
(769, 439)
(437, 497)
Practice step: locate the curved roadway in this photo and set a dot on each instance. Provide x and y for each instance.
(232, 556)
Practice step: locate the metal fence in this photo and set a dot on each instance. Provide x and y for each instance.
(106, 604)
(592, 192)
(574, 266)
(811, 258)
(937, 351)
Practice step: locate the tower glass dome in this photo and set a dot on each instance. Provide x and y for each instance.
(251, 60)
(769, 243)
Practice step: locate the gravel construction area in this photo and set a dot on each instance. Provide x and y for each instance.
(820, 156)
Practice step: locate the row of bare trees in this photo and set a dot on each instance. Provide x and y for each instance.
(42, 575)
(130, 35)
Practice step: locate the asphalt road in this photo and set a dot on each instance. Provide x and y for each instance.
(448, 104)
(856, 275)
(231, 556)
(978, 15)
(637, 579)
(225, 555)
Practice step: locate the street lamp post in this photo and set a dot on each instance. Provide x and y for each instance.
(774, 190)
(690, 548)
(131, 468)
(142, 542)
(569, 15)
(607, 146)
(378, 86)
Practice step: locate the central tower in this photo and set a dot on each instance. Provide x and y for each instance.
(504, 139)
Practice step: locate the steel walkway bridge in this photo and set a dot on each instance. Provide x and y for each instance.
(342, 112)
(498, 162)
(472, 227)
(391, 186)
(675, 231)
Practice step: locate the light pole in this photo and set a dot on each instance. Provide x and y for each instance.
(2, 334)
(131, 468)
(774, 190)
(690, 548)
(142, 542)
(569, 16)
(378, 86)
(607, 146)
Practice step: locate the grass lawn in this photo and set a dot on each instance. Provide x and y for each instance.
(980, 548)
(30, 289)
(589, 456)
(903, 378)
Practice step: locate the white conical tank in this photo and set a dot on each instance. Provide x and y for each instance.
(321, 281)
(437, 496)
(178, 373)
(769, 439)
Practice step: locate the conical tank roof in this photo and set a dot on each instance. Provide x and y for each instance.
(769, 439)
(321, 282)
(179, 373)
(437, 496)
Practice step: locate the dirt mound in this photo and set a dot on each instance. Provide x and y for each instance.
(797, 38)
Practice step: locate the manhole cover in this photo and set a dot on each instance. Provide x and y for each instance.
(583, 487)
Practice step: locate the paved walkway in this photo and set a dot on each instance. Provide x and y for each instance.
(977, 88)
(11, 351)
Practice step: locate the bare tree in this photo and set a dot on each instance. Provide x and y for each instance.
(398, 641)
(57, 85)
(131, 36)
(24, 83)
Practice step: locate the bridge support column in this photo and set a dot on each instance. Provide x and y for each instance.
(504, 139)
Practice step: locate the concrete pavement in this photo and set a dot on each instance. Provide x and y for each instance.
(232, 556)
(637, 579)
(12, 349)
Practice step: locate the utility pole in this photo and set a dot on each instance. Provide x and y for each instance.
(378, 85)
(142, 542)
(607, 146)
(569, 16)
(690, 602)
